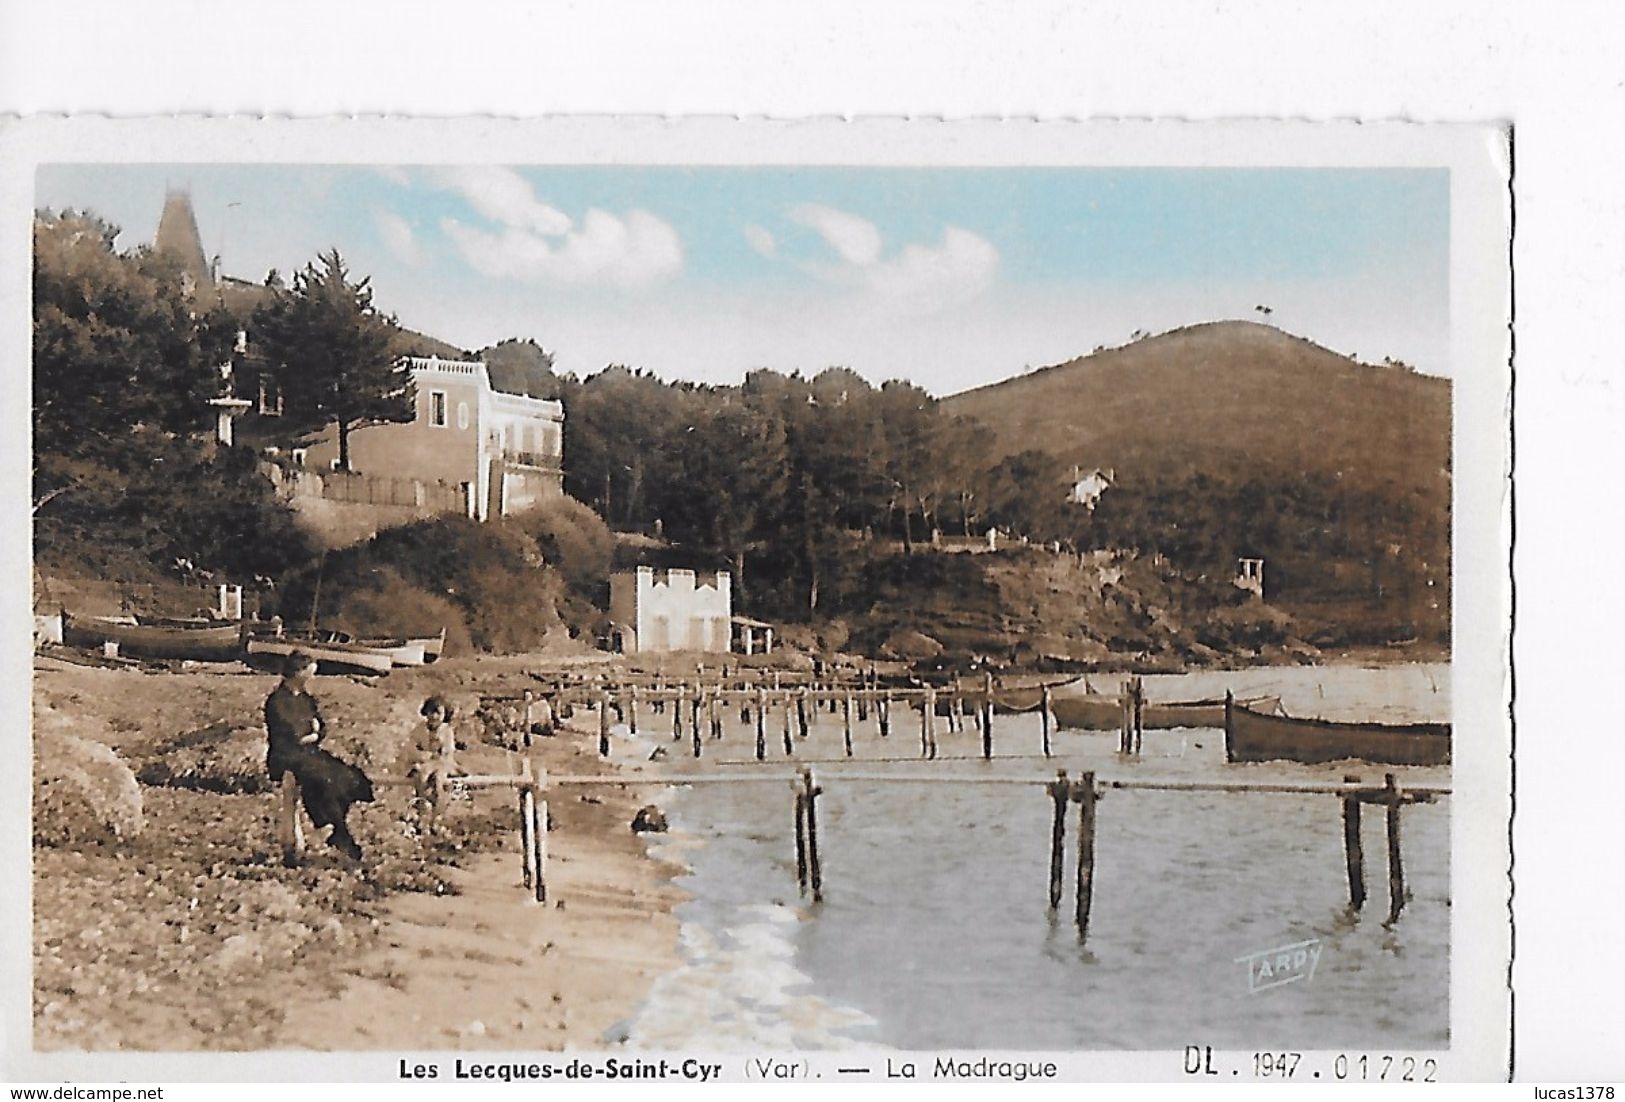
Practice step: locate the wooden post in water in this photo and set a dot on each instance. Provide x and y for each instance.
(987, 716)
(931, 723)
(1084, 793)
(789, 746)
(801, 836)
(538, 834)
(925, 720)
(801, 711)
(696, 736)
(696, 704)
(677, 714)
(846, 721)
(1139, 714)
(527, 824)
(524, 738)
(1060, 791)
(603, 723)
(761, 724)
(1045, 717)
(1125, 719)
(815, 870)
(1396, 871)
(1353, 849)
(632, 708)
(883, 715)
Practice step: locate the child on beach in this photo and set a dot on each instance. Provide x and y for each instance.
(431, 760)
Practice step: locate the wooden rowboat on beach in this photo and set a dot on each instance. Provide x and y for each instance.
(216, 643)
(330, 659)
(1260, 736)
(416, 651)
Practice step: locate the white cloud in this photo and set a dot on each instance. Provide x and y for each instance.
(398, 237)
(761, 240)
(536, 242)
(503, 196)
(630, 252)
(958, 270)
(920, 278)
(856, 240)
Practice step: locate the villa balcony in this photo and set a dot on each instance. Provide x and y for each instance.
(535, 461)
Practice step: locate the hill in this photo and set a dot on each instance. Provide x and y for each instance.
(1231, 400)
(1235, 439)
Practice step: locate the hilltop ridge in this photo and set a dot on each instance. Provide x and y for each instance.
(1230, 398)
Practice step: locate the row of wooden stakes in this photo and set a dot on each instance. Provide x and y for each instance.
(1085, 792)
(704, 707)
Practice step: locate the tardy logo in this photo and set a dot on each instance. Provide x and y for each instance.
(1280, 966)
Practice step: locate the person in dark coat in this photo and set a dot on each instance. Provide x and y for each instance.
(328, 786)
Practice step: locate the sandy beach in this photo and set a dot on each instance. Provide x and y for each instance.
(193, 936)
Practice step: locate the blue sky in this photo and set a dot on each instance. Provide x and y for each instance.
(953, 277)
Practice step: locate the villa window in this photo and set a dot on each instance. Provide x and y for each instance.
(437, 408)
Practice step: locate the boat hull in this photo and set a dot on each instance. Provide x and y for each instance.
(1256, 736)
(329, 659)
(399, 653)
(199, 644)
(1099, 712)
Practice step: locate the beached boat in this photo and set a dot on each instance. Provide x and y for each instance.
(1251, 735)
(1101, 712)
(216, 643)
(400, 652)
(433, 645)
(415, 651)
(330, 658)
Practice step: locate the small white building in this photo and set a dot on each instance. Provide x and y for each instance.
(1250, 576)
(1087, 488)
(657, 611)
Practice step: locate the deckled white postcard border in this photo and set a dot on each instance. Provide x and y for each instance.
(1476, 156)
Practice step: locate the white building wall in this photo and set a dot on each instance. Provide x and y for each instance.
(673, 610)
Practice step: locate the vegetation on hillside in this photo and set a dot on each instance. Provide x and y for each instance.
(498, 586)
(126, 477)
(1224, 441)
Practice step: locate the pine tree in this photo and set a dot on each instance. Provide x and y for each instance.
(335, 352)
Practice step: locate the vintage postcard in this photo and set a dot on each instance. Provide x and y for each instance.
(721, 600)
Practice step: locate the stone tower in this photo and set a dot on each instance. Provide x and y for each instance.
(178, 239)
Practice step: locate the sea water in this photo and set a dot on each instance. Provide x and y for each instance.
(934, 931)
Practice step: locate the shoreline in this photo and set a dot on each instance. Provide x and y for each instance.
(491, 969)
(435, 956)
(193, 937)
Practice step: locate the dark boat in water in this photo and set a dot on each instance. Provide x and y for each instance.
(1260, 736)
(1101, 712)
(200, 643)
